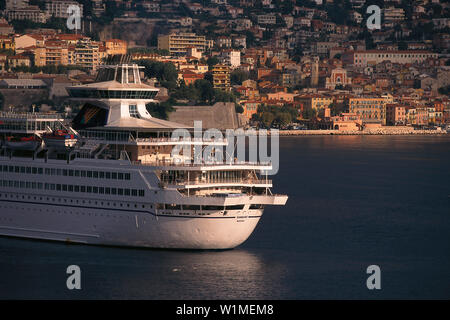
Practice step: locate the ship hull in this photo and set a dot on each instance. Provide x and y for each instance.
(124, 228)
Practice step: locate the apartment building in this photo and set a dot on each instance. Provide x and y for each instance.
(313, 101)
(231, 57)
(370, 109)
(373, 57)
(395, 114)
(178, 43)
(58, 8)
(32, 13)
(221, 77)
(267, 19)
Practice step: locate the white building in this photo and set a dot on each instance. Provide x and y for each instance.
(373, 57)
(58, 8)
(232, 58)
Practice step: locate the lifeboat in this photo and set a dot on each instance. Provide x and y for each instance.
(60, 139)
(30, 143)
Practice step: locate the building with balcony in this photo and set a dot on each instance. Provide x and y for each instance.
(58, 8)
(221, 77)
(178, 43)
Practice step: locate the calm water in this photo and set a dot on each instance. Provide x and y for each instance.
(354, 202)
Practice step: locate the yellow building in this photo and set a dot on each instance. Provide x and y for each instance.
(17, 61)
(221, 77)
(6, 43)
(368, 108)
(313, 101)
(178, 43)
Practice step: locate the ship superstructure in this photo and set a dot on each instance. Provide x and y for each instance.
(111, 177)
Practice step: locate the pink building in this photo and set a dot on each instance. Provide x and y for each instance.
(395, 114)
(347, 122)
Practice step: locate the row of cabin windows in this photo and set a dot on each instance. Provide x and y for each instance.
(72, 188)
(67, 172)
(165, 206)
(77, 201)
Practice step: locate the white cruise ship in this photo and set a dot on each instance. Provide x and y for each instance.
(109, 177)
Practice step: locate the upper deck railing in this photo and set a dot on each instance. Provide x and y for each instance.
(172, 163)
(31, 115)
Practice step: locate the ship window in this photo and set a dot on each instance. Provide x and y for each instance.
(127, 176)
(108, 175)
(160, 206)
(95, 174)
(47, 171)
(101, 175)
(22, 169)
(89, 174)
(141, 193)
(134, 193)
(120, 176)
(113, 191)
(107, 190)
(70, 173)
(237, 207)
(83, 188)
(133, 111)
(94, 189)
(58, 187)
(64, 172)
(17, 169)
(70, 188)
(256, 206)
(89, 189)
(212, 207)
(64, 187)
(101, 190)
(173, 206)
(77, 188)
(28, 169)
(114, 175)
(77, 173)
(191, 207)
(120, 191)
(127, 192)
(83, 173)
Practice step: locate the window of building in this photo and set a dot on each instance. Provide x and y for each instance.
(133, 111)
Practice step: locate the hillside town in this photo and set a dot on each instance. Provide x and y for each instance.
(293, 64)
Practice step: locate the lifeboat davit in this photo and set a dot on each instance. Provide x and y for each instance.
(60, 139)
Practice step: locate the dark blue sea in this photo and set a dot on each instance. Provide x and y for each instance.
(355, 201)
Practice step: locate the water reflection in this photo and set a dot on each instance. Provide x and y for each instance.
(126, 273)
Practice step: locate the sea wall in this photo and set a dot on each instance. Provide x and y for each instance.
(375, 131)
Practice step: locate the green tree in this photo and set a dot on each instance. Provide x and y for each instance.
(206, 90)
(160, 110)
(238, 76)
(212, 61)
